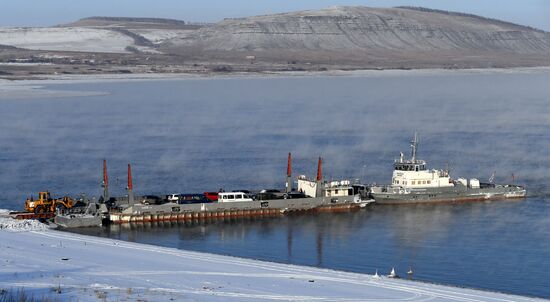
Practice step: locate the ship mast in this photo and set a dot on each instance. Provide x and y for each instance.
(414, 147)
(288, 188)
(319, 190)
(105, 181)
(130, 186)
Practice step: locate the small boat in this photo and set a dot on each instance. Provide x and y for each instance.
(90, 217)
(376, 275)
(393, 274)
(362, 202)
(410, 272)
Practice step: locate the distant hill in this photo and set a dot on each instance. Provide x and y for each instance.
(405, 36)
(451, 13)
(131, 22)
(341, 37)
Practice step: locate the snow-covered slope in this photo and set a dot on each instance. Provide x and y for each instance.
(344, 37)
(69, 267)
(157, 36)
(363, 28)
(66, 39)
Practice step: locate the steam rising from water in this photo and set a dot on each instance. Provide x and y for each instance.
(197, 135)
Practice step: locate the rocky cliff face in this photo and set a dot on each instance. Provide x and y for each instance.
(361, 33)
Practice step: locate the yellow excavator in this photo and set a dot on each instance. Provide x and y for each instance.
(46, 204)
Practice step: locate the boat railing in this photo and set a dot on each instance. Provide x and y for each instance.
(384, 189)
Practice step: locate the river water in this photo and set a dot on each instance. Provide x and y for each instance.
(195, 135)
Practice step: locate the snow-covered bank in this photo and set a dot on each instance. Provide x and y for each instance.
(9, 224)
(67, 266)
(87, 78)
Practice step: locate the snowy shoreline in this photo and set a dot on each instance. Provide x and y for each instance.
(86, 78)
(34, 88)
(85, 268)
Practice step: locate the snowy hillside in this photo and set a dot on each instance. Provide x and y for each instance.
(356, 35)
(346, 28)
(157, 36)
(66, 39)
(336, 38)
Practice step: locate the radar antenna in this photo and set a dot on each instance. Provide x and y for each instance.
(414, 147)
(492, 178)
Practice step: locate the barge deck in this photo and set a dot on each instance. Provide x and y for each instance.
(264, 208)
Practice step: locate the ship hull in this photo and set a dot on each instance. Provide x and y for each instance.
(446, 195)
(78, 220)
(172, 211)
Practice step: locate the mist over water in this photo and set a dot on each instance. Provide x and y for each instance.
(200, 135)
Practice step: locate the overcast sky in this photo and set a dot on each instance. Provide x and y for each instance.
(534, 13)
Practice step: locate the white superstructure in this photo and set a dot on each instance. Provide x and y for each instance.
(328, 189)
(413, 173)
(307, 186)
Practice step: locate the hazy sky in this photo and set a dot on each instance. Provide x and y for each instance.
(534, 13)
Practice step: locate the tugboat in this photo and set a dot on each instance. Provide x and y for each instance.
(413, 182)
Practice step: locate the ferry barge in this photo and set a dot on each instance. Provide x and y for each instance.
(311, 195)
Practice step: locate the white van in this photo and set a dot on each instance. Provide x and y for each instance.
(172, 197)
(233, 197)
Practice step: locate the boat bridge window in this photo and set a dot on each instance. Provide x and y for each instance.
(410, 167)
(405, 168)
